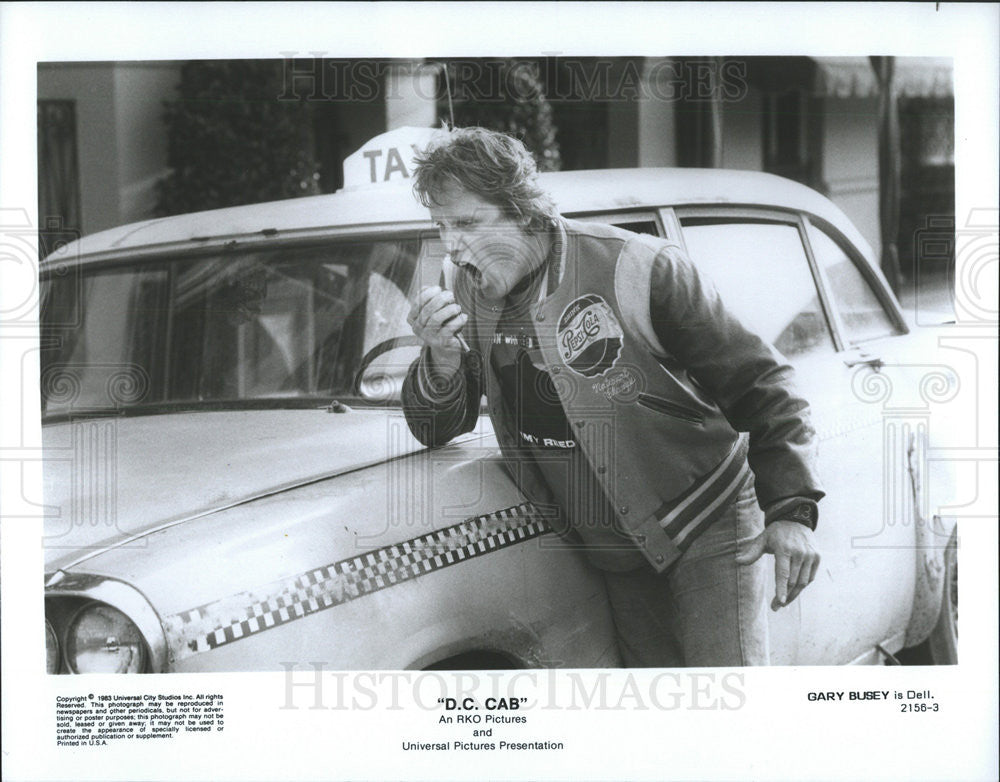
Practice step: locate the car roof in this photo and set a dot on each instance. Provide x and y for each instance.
(387, 207)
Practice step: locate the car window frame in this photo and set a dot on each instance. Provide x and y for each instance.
(613, 217)
(882, 293)
(769, 214)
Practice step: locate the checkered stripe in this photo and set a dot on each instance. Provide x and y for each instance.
(248, 613)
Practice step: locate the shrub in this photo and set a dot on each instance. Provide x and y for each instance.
(508, 96)
(231, 140)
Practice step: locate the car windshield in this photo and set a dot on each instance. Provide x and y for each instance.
(238, 327)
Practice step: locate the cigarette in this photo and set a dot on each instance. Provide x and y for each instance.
(444, 284)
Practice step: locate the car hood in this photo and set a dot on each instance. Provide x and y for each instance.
(110, 479)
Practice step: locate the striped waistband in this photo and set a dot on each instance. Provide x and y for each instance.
(685, 517)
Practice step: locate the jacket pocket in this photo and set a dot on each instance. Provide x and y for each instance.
(674, 410)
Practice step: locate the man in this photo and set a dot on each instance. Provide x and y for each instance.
(628, 402)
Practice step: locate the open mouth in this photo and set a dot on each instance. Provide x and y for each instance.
(475, 277)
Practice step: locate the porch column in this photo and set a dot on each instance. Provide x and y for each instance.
(410, 87)
(888, 167)
(657, 124)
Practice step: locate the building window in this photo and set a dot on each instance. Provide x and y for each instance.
(927, 182)
(784, 131)
(695, 139)
(698, 112)
(58, 175)
(793, 136)
(928, 131)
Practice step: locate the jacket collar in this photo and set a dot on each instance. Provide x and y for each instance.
(557, 258)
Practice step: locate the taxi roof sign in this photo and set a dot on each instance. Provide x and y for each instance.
(386, 159)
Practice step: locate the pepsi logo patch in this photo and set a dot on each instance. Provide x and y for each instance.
(589, 336)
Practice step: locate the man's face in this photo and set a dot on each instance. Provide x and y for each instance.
(481, 238)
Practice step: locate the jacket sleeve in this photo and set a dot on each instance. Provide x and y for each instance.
(436, 412)
(748, 378)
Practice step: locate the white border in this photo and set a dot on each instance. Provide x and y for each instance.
(775, 735)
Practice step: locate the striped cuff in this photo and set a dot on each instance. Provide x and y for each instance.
(438, 389)
(791, 509)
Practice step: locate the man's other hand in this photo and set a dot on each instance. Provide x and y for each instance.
(795, 558)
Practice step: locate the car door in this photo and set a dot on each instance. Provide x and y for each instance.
(820, 310)
(908, 378)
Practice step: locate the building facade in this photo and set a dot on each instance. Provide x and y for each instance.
(102, 140)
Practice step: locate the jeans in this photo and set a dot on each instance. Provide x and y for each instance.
(705, 610)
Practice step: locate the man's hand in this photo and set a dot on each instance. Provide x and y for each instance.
(436, 319)
(795, 558)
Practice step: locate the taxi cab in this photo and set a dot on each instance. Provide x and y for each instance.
(232, 485)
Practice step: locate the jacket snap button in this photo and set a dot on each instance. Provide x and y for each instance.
(555, 370)
(623, 509)
(659, 559)
(540, 316)
(640, 539)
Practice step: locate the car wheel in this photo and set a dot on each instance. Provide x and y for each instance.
(474, 661)
(941, 646)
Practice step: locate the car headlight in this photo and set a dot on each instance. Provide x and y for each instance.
(51, 649)
(101, 639)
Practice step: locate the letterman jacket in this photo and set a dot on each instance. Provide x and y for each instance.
(670, 397)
